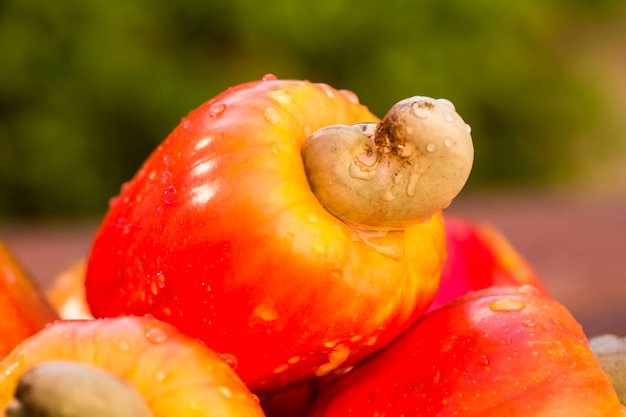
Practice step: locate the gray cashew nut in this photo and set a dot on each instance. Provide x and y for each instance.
(71, 389)
(394, 174)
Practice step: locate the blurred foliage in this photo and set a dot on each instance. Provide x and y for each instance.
(88, 89)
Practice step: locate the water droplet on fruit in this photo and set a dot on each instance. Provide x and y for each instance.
(186, 123)
(336, 274)
(230, 359)
(327, 89)
(330, 344)
(350, 96)
(431, 147)
(167, 159)
(319, 248)
(447, 142)
(355, 338)
(529, 290)
(468, 128)
(529, 323)
(122, 223)
(269, 77)
(507, 305)
(338, 355)
(217, 109)
(113, 201)
(281, 96)
(169, 195)
(448, 117)
(156, 336)
(271, 115)
(225, 391)
(202, 143)
(411, 188)
(422, 108)
(160, 280)
(166, 177)
(368, 236)
(280, 369)
(265, 312)
(447, 103)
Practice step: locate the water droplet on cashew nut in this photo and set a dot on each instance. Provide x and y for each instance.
(393, 174)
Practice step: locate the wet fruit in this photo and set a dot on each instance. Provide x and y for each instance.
(220, 234)
(24, 309)
(176, 375)
(502, 351)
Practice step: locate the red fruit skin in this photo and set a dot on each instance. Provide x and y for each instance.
(502, 351)
(220, 234)
(24, 309)
(479, 256)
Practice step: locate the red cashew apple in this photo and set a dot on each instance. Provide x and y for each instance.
(501, 351)
(479, 256)
(282, 225)
(171, 373)
(23, 308)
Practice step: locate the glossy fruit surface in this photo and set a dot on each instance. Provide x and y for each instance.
(479, 256)
(23, 307)
(220, 234)
(176, 375)
(502, 351)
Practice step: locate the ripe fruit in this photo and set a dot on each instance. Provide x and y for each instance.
(220, 234)
(502, 351)
(175, 374)
(23, 308)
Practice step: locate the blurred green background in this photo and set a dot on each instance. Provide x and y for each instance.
(88, 89)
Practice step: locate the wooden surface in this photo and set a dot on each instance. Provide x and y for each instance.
(575, 244)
